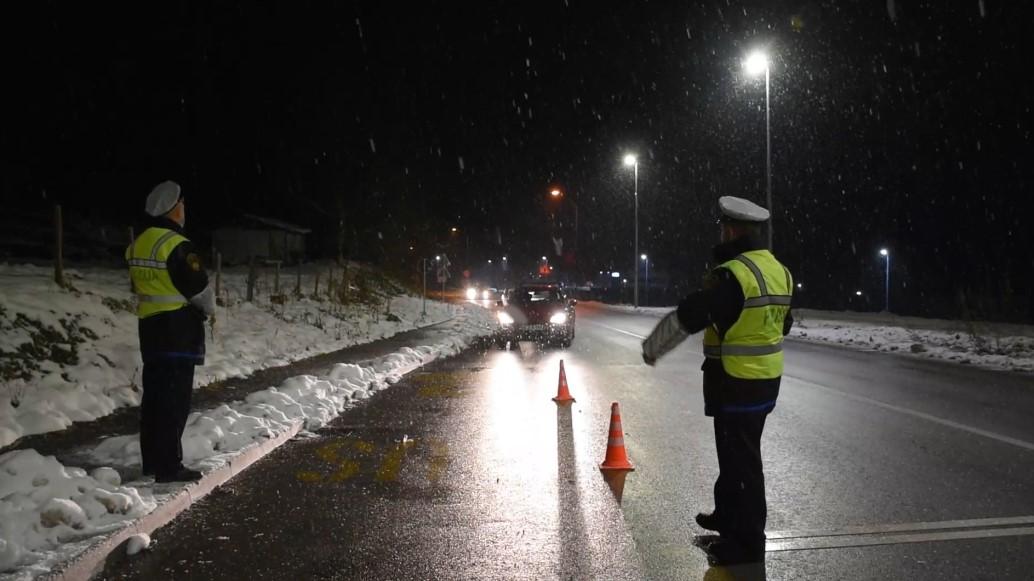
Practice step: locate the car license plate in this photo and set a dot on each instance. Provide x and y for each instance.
(534, 328)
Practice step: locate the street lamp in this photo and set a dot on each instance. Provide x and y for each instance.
(558, 193)
(755, 64)
(886, 284)
(631, 160)
(423, 304)
(646, 296)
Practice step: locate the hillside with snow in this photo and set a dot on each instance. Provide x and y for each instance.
(72, 354)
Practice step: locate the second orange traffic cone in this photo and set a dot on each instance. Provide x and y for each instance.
(616, 458)
(563, 395)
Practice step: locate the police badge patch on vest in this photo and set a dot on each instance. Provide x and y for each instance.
(194, 262)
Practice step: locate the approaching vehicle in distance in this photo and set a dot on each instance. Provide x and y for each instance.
(536, 312)
(477, 293)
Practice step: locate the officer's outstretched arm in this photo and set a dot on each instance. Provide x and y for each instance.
(665, 336)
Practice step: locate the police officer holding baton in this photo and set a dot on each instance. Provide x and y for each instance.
(744, 311)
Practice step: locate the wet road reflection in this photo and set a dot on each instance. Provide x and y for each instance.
(748, 572)
(545, 457)
(615, 480)
(569, 506)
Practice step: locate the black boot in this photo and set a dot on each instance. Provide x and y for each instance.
(730, 552)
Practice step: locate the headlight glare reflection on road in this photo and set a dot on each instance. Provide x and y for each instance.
(505, 318)
(486, 295)
(472, 293)
(558, 319)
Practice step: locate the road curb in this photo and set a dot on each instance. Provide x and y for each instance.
(88, 562)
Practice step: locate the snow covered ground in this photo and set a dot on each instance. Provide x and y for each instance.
(50, 512)
(70, 356)
(992, 345)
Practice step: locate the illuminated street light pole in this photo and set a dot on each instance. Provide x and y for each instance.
(631, 160)
(646, 289)
(556, 193)
(755, 64)
(438, 260)
(423, 307)
(886, 284)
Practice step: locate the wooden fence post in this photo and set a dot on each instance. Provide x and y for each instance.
(218, 274)
(59, 244)
(298, 281)
(251, 279)
(276, 277)
(316, 286)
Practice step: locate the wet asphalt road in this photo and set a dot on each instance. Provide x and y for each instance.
(467, 470)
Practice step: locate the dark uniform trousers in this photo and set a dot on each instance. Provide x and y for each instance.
(168, 386)
(739, 492)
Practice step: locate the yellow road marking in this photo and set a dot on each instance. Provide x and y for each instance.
(389, 470)
(439, 460)
(346, 457)
(309, 476)
(328, 453)
(348, 469)
(438, 384)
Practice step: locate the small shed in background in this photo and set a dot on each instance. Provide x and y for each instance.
(261, 237)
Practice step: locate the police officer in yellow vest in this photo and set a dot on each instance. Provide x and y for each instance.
(744, 311)
(173, 300)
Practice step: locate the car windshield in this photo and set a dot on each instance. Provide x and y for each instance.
(535, 295)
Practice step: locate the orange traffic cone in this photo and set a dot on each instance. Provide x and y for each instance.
(616, 458)
(563, 396)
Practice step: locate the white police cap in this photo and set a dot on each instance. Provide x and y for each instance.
(163, 198)
(742, 210)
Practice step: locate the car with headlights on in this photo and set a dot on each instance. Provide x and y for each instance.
(478, 293)
(536, 312)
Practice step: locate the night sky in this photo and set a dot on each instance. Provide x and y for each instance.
(898, 124)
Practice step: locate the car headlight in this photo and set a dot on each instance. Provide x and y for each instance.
(486, 295)
(505, 318)
(558, 319)
(472, 293)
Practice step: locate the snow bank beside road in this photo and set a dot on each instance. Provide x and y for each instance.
(1001, 346)
(46, 507)
(71, 356)
(45, 504)
(996, 346)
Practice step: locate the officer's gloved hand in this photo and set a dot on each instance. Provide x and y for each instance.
(665, 336)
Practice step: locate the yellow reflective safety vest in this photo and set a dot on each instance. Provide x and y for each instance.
(152, 284)
(753, 347)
